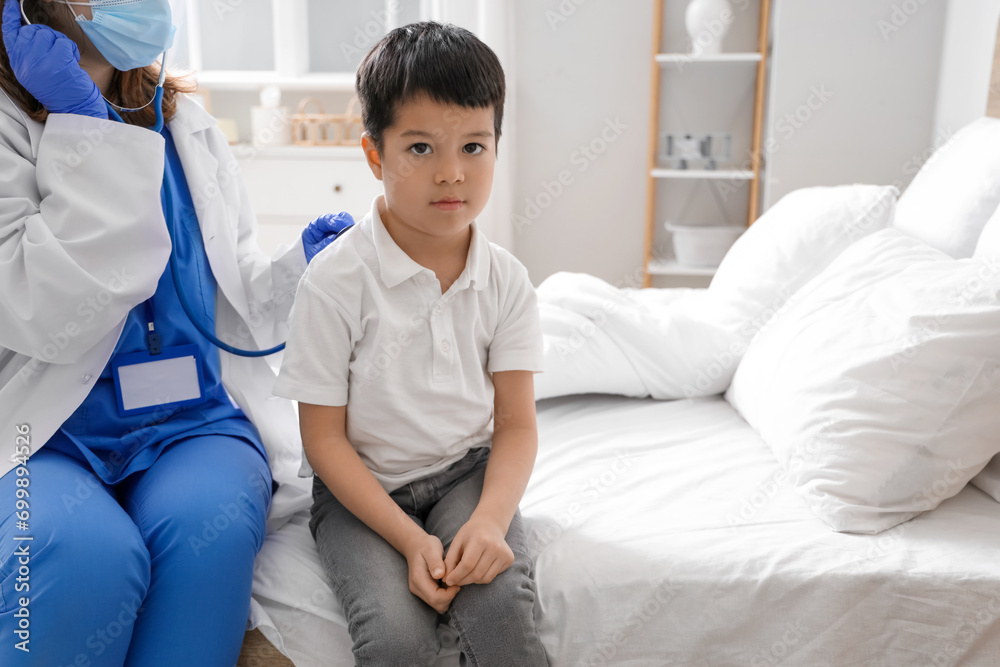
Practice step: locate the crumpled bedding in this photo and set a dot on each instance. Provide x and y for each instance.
(603, 339)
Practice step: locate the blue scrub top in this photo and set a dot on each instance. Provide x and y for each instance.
(115, 446)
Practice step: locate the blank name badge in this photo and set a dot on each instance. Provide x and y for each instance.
(145, 382)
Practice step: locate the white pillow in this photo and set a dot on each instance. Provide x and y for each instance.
(989, 240)
(787, 246)
(791, 243)
(955, 191)
(877, 386)
(989, 247)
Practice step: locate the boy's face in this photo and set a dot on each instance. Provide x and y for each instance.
(436, 167)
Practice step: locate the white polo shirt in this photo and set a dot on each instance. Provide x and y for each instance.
(371, 330)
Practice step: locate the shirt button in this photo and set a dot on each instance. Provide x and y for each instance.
(85, 378)
(446, 346)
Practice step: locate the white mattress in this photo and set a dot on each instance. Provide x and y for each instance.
(664, 534)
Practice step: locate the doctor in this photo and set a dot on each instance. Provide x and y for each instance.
(129, 535)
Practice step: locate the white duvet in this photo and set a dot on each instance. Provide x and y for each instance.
(602, 339)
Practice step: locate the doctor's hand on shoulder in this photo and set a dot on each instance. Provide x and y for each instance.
(323, 231)
(47, 63)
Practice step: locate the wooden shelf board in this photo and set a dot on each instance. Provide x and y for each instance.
(730, 174)
(670, 267)
(668, 58)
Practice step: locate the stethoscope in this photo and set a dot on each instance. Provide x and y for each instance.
(168, 212)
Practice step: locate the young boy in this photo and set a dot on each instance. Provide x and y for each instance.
(412, 347)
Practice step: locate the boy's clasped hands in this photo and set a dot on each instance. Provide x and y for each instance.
(477, 555)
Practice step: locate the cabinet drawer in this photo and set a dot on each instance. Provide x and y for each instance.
(305, 189)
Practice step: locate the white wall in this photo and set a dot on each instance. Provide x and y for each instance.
(969, 36)
(575, 75)
(880, 67)
(579, 76)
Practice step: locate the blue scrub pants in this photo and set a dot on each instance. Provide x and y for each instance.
(154, 571)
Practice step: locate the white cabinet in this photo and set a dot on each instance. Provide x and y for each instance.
(291, 186)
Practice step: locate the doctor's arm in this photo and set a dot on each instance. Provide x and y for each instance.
(340, 467)
(82, 234)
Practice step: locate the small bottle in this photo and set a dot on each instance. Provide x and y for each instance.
(270, 123)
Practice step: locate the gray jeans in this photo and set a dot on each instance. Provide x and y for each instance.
(390, 625)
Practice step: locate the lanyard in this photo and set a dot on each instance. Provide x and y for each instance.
(153, 341)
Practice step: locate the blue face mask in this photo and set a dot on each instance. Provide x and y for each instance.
(129, 33)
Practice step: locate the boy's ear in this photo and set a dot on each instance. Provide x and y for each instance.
(371, 155)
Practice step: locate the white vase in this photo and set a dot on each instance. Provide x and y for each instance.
(707, 22)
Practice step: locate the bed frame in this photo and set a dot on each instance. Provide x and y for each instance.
(259, 652)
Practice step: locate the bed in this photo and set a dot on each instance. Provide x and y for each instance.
(684, 546)
(669, 517)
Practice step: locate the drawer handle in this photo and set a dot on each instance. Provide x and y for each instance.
(337, 188)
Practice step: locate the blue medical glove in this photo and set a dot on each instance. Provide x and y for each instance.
(47, 63)
(322, 231)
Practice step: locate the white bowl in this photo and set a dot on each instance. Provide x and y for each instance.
(703, 245)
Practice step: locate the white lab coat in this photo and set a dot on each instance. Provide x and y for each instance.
(83, 240)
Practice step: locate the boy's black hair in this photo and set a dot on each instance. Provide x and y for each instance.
(443, 61)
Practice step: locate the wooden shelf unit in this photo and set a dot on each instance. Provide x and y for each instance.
(653, 266)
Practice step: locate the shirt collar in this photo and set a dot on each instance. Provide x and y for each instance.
(395, 266)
